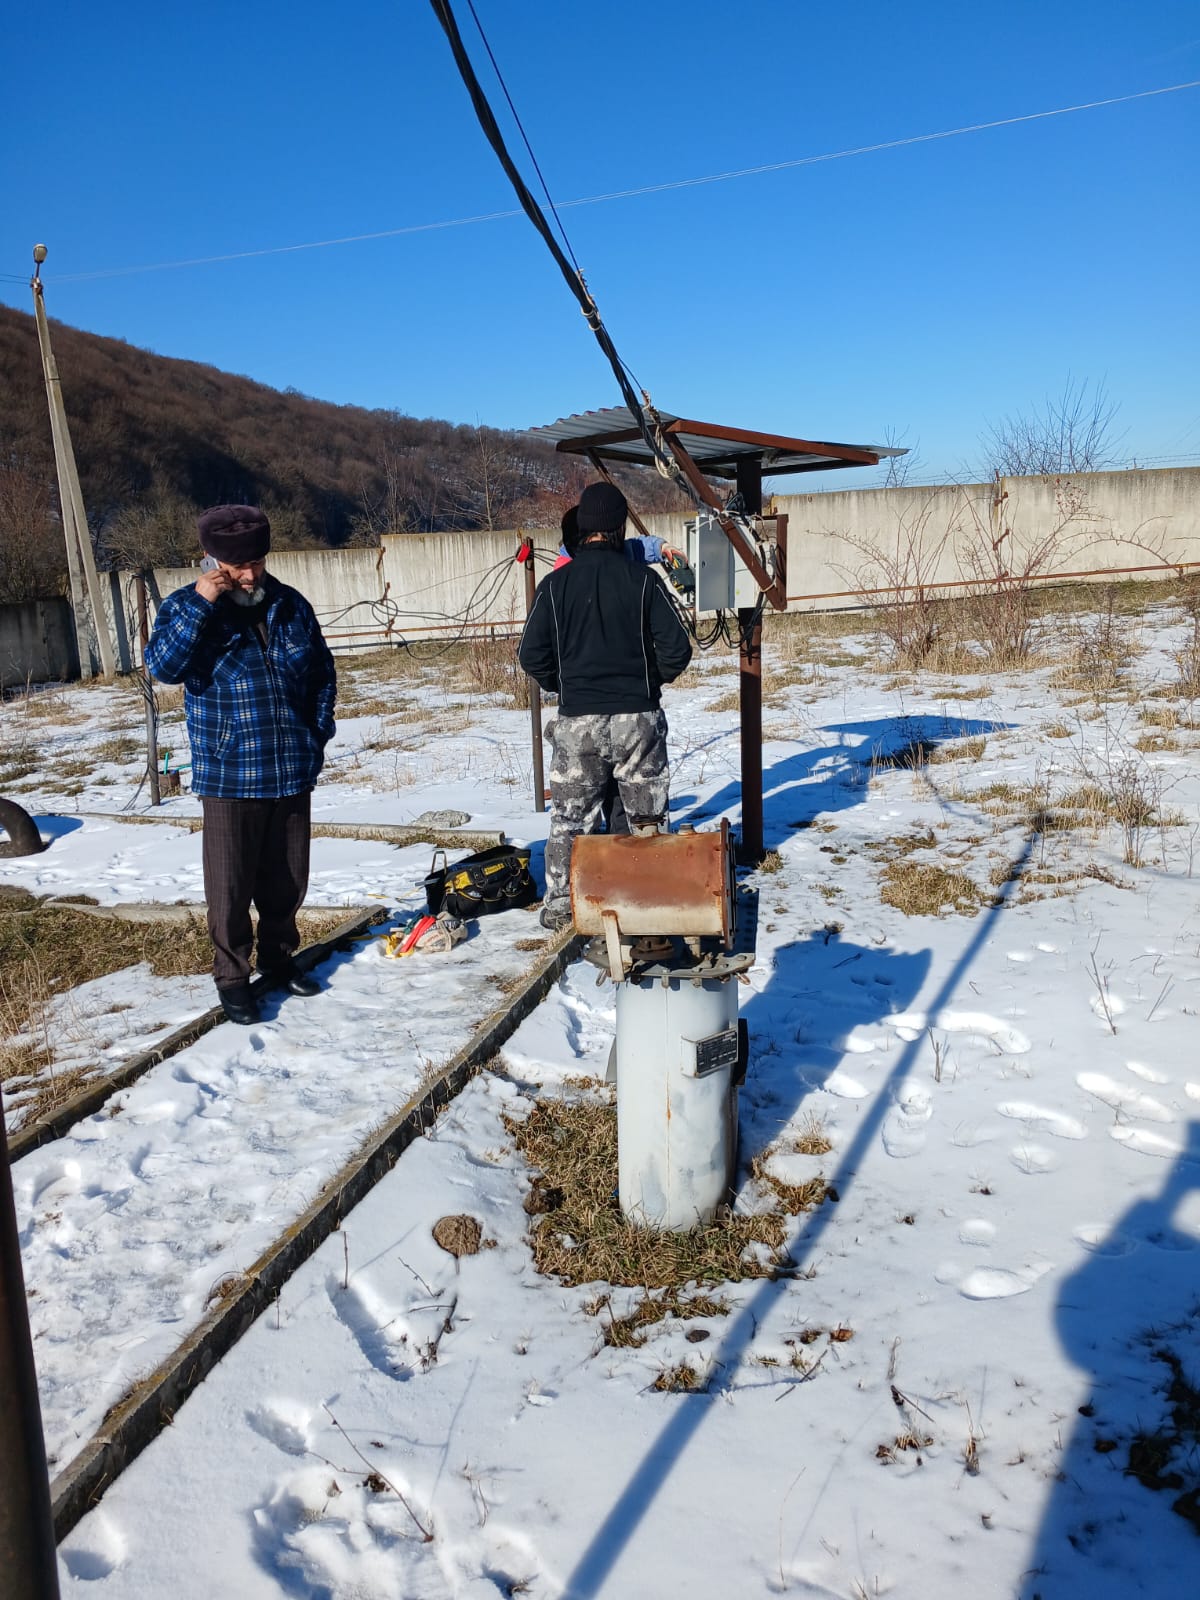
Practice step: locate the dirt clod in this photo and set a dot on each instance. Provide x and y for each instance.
(460, 1235)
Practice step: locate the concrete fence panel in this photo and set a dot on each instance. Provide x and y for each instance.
(37, 643)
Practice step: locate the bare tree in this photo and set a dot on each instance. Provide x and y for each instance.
(157, 530)
(1073, 433)
(900, 469)
(33, 559)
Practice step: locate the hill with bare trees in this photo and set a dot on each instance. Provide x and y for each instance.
(157, 439)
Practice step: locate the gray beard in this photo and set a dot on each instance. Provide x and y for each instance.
(241, 597)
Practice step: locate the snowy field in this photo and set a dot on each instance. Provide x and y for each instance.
(978, 979)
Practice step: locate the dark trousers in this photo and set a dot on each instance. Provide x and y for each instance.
(255, 851)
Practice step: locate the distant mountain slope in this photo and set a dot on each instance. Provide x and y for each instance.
(156, 439)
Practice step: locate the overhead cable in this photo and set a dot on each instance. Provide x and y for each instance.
(665, 187)
(574, 278)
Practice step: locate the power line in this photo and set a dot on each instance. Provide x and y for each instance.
(620, 194)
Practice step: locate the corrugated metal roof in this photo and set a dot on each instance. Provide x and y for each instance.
(716, 449)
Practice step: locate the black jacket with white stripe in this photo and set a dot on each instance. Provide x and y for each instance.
(603, 635)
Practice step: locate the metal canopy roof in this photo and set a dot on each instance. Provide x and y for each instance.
(613, 435)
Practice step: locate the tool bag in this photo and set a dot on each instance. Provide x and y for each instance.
(490, 880)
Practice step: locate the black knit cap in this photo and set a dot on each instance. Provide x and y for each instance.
(602, 509)
(234, 534)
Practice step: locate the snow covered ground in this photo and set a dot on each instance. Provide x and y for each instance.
(1010, 1091)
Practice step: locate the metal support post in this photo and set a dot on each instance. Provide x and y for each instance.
(750, 853)
(535, 694)
(148, 694)
(28, 1559)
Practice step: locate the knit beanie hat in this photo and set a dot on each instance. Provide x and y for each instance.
(234, 534)
(602, 509)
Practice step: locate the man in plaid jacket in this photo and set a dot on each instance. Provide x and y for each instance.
(259, 687)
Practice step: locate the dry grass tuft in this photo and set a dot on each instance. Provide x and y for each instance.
(812, 1140)
(118, 750)
(631, 1331)
(679, 1379)
(584, 1238)
(960, 750)
(725, 702)
(921, 889)
(901, 844)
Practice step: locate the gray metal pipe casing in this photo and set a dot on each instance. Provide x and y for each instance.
(676, 1125)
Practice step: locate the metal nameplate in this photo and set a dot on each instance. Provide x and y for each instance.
(715, 1053)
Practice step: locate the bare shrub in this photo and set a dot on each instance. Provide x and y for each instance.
(899, 581)
(493, 667)
(1188, 659)
(1099, 647)
(1003, 566)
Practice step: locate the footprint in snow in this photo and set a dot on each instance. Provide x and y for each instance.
(1009, 1041)
(977, 1231)
(1106, 1006)
(94, 1551)
(60, 1179)
(1130, 1102)
(1033, 1159)
(1173, 1146)
(999, 1283)
(1101, 1240)
(1043, 1119)
(1148, 1074)
(285, 1423)
(846, 1087)
(378, 1329)
(903, 1132)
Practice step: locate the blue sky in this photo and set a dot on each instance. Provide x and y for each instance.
(927, 290)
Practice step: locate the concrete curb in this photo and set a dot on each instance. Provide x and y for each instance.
(386, 832)
(93, 1095)
(149, 1407)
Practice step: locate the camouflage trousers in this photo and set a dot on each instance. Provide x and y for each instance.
(630, 747)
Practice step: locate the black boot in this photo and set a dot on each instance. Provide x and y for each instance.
(290, 977)
(239, 1004)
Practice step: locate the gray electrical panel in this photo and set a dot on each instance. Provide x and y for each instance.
(722, 581)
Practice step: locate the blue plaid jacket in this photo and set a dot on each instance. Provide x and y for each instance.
(258, 718)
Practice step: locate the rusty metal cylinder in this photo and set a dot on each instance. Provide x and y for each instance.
(672, 884)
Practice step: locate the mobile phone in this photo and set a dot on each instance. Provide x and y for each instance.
(209, 564)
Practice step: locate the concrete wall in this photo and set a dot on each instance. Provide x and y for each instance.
(414, 586)
(37, 643)
(849, 546)
(845, 549)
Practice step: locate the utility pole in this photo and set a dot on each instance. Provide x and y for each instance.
(28, 1558)
(70, 498)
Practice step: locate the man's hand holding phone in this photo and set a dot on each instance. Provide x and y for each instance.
(213, 581)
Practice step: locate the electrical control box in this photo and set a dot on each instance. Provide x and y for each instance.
(722, 581)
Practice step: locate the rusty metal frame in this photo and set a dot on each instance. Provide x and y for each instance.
(747, 466)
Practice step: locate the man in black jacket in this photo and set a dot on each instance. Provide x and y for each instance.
(604, 636)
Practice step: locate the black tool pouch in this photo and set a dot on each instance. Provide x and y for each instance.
(491, 880)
